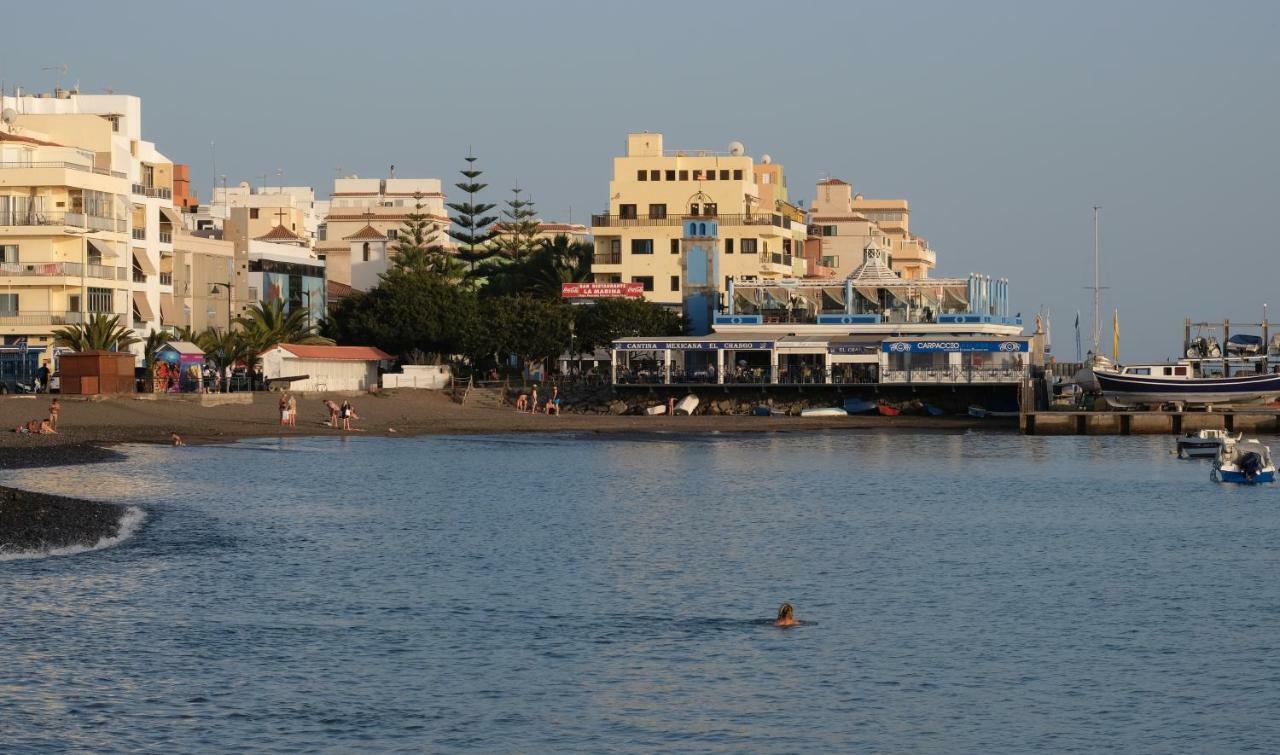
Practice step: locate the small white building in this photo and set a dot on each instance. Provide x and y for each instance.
(324, 368)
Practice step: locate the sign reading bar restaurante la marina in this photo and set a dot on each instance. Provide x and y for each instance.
(601, 290)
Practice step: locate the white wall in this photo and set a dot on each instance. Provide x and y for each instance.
(322, 374)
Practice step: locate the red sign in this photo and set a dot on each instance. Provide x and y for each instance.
(602, 290)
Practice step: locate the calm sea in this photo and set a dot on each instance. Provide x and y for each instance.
(965, 592)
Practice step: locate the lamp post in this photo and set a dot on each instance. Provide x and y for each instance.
(229, 288)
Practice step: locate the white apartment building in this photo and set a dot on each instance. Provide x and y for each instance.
(382, 204)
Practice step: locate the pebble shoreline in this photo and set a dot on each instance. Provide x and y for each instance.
(38, 522)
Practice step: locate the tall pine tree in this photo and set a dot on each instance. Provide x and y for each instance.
(474, 232)
(417, 246)
(518, 230)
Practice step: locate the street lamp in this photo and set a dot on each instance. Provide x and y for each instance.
(229, 288)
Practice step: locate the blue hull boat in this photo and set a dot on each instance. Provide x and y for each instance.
(1241, 479)
(858, 406)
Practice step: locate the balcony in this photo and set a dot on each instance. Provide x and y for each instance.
(611, 258)
(10, 319)
(640, 221)
(55, 269)
(155, 192)
(39, 218)
(62, 166)
(140, 234)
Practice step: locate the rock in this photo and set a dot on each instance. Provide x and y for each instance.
(618, 407)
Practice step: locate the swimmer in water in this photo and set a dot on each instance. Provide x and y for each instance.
(786, 616)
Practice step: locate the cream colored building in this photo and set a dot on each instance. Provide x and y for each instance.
(381, 203)
(547, 231)
(64, 228)
(202, 269)
(761, 235)
(294, 207)
(848, 223)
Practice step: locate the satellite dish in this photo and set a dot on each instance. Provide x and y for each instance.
(737, 149)
(765, 159)
(8, 114)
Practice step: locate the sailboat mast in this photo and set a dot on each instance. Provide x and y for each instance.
(1097, 298)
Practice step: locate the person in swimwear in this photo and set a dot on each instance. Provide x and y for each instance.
(786, 616)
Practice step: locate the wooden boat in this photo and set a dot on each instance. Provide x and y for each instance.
(887, 411)
(1183, 383)
(825, 411)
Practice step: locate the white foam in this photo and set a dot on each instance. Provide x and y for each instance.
(130, 521)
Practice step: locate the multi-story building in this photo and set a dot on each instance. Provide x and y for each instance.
(210, 283)
(653, 190)
(547, 231)
(382, 204)
(845, 224)
(294, 207)
(288, 273)
(64, 232)
(76, 119)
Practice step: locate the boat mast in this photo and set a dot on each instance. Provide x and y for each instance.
(1097, 332)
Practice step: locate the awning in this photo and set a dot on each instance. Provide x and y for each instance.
(169, 214)
(144, 264)
(144, 309)
(103, 248)
(166, 309)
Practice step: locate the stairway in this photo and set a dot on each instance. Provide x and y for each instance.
(487, 397)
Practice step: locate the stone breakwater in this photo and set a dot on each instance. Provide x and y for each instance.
(722, 402)
(37, 523)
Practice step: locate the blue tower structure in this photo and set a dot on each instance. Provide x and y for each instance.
(700, 272)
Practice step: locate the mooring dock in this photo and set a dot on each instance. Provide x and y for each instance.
(1261, 420)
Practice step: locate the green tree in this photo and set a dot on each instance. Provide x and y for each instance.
(474, 233)
(100, 333)
(525, 327)
(156, 340)
(518, 229)
(416, 246)
(552, 263)
(266, 324)
(414, 314)
(600, 324)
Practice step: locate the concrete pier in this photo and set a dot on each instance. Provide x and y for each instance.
(1258, 421)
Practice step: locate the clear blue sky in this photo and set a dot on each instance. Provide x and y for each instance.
(1002, 123)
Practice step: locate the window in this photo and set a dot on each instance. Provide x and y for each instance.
(711, 175)
(642, 175)
(627, 211)
(828, 230)
(728, 246)
(655, 175)
(684, 175)
(615, 248)
(9, 253)
(737, 175)
(728, 280)
(724, 175)
(642, 246)
(253, 213)
(73, 303)
(694, 209)
(365, 250)
(100, 300)
(709, 209)
(831, 260)
(657, 211)
(393, 234)
(8, 304)
(675, 283)
(675, 246)
(671, 175)
(748, 246)
(647, 280)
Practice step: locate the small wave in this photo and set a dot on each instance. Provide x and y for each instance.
(130, 521)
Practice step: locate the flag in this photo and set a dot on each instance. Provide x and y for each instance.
(1115, 336)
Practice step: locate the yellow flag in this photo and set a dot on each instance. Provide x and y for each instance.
(1115, 336)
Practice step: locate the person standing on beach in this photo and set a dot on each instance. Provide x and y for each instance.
(333, 410)
(42, 377)
(284, 409)
(54, 410)
(533, 399)
(293, 411)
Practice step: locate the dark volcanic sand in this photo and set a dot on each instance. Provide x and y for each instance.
(38, 522)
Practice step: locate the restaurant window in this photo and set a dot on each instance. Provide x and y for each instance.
(657, 211)
(675, 246)
(100, 300)
(627, 211)
(724, 175)
(675, 283)
(642, 246)
(684, 175)
(645, 280)
(642, 175)
(737, 175)
(671, 175)
(728, 246)
(655, 175)
(748, 246)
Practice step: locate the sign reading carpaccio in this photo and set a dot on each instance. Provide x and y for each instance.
(601, 290)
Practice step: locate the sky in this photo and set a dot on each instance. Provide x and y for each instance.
(1003, 123)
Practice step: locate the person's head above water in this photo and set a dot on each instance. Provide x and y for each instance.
(786, 616)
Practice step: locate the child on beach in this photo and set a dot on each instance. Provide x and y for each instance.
(176, 439)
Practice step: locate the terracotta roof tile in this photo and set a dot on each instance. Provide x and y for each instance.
(368, 233)
(279, 233)
(336, 353)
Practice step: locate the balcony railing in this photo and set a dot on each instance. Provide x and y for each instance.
(62, 165)
(949, 375)
(72, 219)
(607, 259)
(140, 234)
(161, 192)
(759, 218)
(40, 318)
(53, 269)
(166, 237)
(166, 279)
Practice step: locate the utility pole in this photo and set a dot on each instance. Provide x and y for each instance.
(1097, 288)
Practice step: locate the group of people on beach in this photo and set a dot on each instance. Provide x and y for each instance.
(528, 402)
(47, 426)
(337, 414)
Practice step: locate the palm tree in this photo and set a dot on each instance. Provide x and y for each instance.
(156, 340)
(101, 333)
(266, 324)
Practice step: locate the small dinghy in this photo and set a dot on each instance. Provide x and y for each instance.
(761, 411)
(933, 411)
(1202, 444)
(887, 411)
(656, 410)
(686, 405)
(824, 411)
(977, 411)
(1247, 462)
(858, 406)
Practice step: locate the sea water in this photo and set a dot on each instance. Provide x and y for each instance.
(965, 592)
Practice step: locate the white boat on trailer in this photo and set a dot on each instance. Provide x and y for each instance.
(1203, 444)
(1184, 384)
